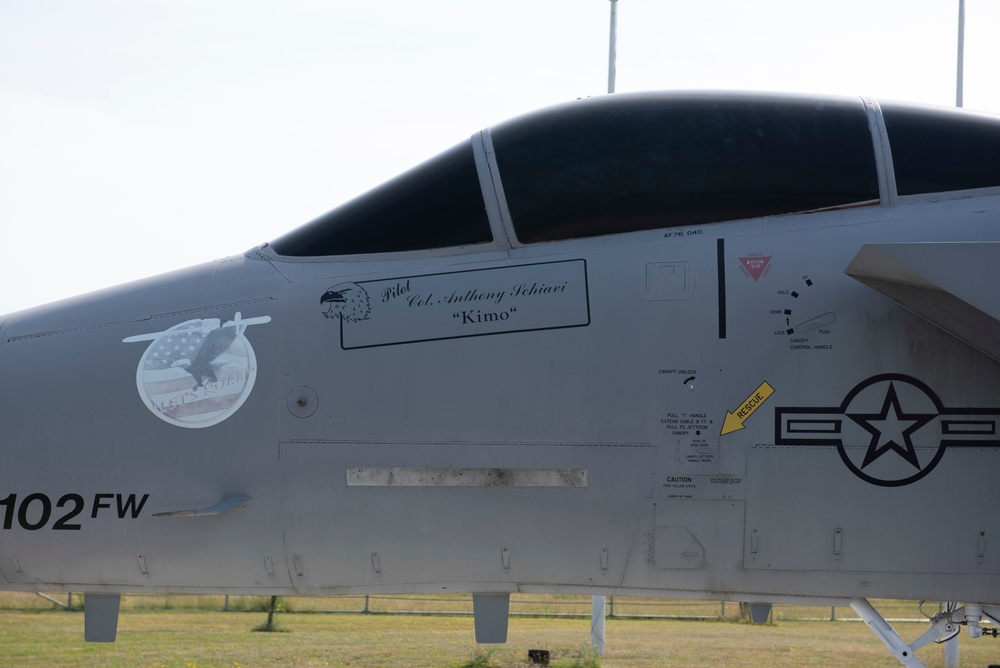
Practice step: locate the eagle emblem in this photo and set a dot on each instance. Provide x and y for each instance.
(199, 372)
(347, 301)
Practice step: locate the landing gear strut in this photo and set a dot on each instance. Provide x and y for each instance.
(944, 626)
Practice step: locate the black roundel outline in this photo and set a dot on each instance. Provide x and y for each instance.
(963, 439)
(920, 385)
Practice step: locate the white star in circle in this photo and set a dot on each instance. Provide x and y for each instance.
(891, 429)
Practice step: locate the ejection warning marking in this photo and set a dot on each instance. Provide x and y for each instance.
(734, 421)
(755, 265)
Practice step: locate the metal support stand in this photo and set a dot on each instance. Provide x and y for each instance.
(951, 653)
(65, 606)
(270, 613)
(597, 624)
(942, 629)
(897, 646)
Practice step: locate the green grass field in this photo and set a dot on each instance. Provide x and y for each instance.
(181, 637)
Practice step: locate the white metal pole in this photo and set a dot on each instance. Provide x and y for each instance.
(612, 44)
(597, 620)
(951, 653)
(897, 646)
(961, 50)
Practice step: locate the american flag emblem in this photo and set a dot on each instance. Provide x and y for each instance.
(199, 372)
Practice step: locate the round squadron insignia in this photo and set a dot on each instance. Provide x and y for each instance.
(198, 373)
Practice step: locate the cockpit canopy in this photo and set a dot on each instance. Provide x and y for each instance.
(625, 163)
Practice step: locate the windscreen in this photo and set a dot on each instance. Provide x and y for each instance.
(435, 205)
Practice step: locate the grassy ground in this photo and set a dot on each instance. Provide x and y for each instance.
(199, 639)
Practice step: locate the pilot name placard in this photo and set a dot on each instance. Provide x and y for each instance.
(452, 305)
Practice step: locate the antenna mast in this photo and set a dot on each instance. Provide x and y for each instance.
(961, 49)
(611, 47)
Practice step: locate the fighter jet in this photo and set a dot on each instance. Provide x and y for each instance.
(685, 345)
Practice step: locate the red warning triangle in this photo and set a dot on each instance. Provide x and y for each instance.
(756, 265)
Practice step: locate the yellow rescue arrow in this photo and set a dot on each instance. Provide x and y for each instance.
(734, 421)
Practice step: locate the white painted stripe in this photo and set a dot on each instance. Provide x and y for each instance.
(389, 476)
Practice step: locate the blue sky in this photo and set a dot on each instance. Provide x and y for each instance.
(140, 137)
